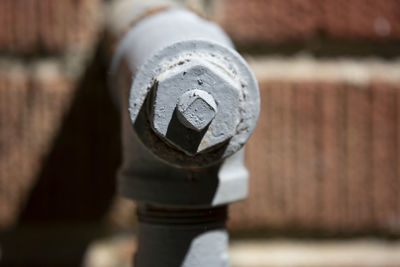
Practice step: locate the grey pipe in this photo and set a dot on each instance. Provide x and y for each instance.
(188, 104)
(182, 237)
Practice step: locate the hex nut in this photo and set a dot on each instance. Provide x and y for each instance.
(191, 90)
(163, 77)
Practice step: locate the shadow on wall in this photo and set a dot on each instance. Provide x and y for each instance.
(76, 184)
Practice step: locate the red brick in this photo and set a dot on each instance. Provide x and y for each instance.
(359, 150)
(333, 144)
(324, 155)
(30, 26)
(32, 103)
(385, 190)
(362, 19)
(278, 21)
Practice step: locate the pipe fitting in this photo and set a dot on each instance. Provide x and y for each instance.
(191, 105)
(195, 84)
(186, 53)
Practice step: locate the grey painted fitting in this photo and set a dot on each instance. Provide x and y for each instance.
(214, 85)
(193, 103)
(180, 52)
(168, 159)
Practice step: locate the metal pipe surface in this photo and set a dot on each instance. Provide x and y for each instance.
(182, 237)
(188, 103)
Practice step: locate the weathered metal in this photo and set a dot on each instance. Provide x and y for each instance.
(188, 104)
(196, 109)
(179, 52)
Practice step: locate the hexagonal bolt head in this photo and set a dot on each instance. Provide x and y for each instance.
(184, 112)
(196, 109)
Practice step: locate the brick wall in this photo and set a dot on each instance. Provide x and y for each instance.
(324, 159)
(47, 26)
(275, 21)
(32, 101)
(44, 52)
(324, 156)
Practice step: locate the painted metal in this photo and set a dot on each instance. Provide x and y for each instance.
(196, 109)
(182, 237)
(177, 42)
(188, 103)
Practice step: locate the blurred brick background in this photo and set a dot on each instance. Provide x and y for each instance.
(324, 159)
(325, 155)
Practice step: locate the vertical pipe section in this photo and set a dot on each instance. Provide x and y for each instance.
(182, 237)
(183, 173)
